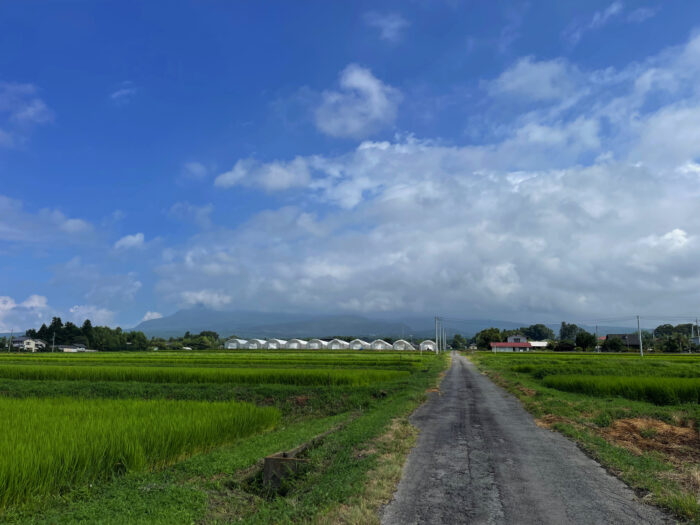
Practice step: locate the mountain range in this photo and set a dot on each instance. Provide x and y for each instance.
(247, 323)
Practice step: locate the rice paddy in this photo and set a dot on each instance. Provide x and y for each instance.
(95, 418)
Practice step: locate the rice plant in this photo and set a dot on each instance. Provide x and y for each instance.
(51, 445)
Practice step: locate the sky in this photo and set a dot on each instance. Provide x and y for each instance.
(530, 161)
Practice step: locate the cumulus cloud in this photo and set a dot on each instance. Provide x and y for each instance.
(149, 316)
(536, 80)
(389, 25)
(363, 105)
(271, 176)
(16, 316)
(584, 206)
(130, 241)
(97, 315)
(44, 226)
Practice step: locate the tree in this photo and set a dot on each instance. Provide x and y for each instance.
(538, 332)
(458, 341)
(31, 333)
(88, 332)
(488, 336)
(585, 340)
(613, 344)
(568, 332)
(209, 334)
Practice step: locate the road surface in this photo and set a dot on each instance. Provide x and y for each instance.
(480, 458)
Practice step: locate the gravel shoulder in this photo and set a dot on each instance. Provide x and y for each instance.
(480, 458)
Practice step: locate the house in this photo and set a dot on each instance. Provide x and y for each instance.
(380, 344)
(628, 340)
(359, 344)
(338, 344)
(28, 344)
(296, 344)
(428, 346)
(255, 344)
(516, 338)
(510, 347)
(235, 344)
(274, 344)
(317, 344)
(402, 344)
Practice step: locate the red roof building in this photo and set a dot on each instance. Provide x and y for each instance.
(510, 347)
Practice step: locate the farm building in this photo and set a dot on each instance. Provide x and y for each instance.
(510, 347)
(274, 344)
(255, 344)
(428, 345)
(516, 338)
(235, 344)
(629, 340)
(380, 344)
(28, 344)
(402, 344)
(338, 344)
(296, 344)
(359, 344)
(317, 344)
(538, 345)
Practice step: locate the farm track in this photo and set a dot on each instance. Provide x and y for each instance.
(480, 458)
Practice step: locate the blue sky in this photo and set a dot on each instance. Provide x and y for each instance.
(530, 160)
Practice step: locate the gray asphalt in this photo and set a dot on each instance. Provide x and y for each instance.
(480, 458)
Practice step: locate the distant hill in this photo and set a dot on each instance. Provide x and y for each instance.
(246, 323)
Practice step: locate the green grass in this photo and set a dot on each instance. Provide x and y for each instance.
(657, 390)
(50, 445)
(174, 374)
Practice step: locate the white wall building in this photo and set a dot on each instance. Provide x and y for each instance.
(428, 346)
(317, 344)
(255, 344)
(402, 344)
(380, 344)
(296, 344)
(235, 344)
(359, 344)
(338, 344)
(274, 344)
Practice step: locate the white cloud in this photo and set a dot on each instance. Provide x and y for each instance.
(199, 215)
(390, 25)
(536, 80)
(124, 94)
(17, 317)
(98, 316)
(208, 298)
(44, 226)
(272, 176)
(130, 241)
(151, 315)
(195, 170)
(601, 18)
(363, 105)
(20, 109)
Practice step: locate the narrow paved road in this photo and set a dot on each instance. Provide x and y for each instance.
(480, 458)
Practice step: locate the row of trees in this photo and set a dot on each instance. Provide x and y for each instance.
(95, 337)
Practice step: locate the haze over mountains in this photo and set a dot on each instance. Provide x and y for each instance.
(247, 323)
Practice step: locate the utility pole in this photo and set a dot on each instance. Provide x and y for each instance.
(437, 345)
(596, 339)
(639, 334)
(9, 346)
(444, 339)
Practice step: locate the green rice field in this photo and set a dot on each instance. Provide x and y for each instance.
(85, 426)
(638, 416)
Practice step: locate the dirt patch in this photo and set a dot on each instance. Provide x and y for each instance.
(529, 392)
(432, 390)
(549, 420)
(301, 400)
(679, 444)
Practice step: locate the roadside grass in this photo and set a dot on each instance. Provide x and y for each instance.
(654, 448)
(211, 486)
